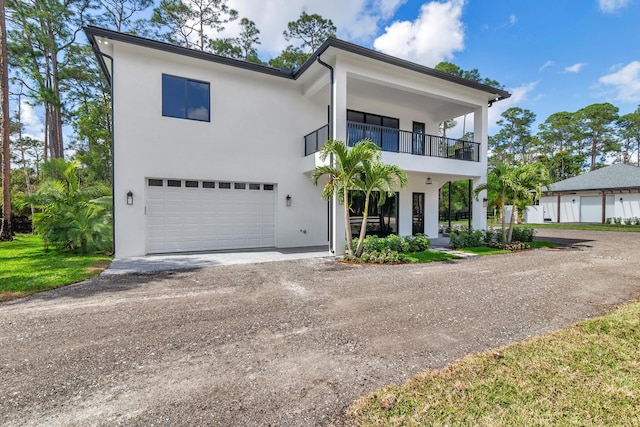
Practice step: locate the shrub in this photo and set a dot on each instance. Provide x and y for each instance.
(393, 242)
(608, 221)
(617, 220)
(467, 238)
(375, 257)
(523, 234)
(418, 243)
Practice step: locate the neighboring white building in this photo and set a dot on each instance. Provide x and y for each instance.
(609, 192)
(212, 153)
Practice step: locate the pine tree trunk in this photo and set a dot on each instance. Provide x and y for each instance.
(6, 232)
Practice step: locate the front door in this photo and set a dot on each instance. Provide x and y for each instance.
(418, 213)
(418, 138)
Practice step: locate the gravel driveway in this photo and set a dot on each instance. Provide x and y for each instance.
(286, 343)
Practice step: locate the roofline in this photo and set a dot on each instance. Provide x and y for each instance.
(611, 190)
(398, 62)
(92, 32)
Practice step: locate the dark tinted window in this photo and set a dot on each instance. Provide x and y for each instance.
(224, 185)
(155, 183)
(191, 184)
(254, 186)
(174, 183)
(208, 184)
(268, 187)
(185, 98)
(240, 186)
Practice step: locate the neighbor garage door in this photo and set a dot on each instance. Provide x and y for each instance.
(591, 209)
(194, 215)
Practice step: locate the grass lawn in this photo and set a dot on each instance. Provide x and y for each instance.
(594, 227)
(587, 375)
(484, 250)
(428, 256)
(538, 245)
(25, 268)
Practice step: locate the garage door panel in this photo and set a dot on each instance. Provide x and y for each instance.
(184, 218)
(591, 209)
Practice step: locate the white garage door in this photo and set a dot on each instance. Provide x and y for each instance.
(190, 215)
(590, 208)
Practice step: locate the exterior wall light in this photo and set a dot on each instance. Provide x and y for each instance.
(573, 200)
(428, 180)
(129, 198)
(485, 202)
(621, 199)
(288, 199)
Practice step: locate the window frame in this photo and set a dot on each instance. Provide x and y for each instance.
(186, 81)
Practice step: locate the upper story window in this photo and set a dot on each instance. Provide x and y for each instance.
(185, 98)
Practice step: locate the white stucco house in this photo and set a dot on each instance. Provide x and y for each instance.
(609, 192)
(211, 153)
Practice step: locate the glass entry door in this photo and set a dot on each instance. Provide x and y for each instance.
(418, 213)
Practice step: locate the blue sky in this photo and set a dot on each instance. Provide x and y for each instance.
(552, 56)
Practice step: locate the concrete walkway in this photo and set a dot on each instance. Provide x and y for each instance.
(208, 259)
(181, 261)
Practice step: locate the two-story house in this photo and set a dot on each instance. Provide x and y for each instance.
(212, 153)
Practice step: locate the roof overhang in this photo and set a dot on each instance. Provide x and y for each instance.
(97, 35)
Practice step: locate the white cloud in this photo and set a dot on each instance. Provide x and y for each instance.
(513, 19)
(546, 65)
(575, 68)
(33, 127)
(433, 37)
(518, 95)
(357, 20)
(610, 6)
(625, 82)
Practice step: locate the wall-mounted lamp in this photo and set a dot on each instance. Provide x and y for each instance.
(129, 198)
(573, 200)
(621, 199)
(428, 180)
(485, 202)
(288, 199)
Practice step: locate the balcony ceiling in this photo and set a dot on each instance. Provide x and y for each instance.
(438, 108)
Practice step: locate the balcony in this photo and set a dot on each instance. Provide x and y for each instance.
(399, 141)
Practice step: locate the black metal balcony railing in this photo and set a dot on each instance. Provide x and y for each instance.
(314, 141)
(399, 141)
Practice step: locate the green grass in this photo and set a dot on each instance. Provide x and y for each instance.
(25, 268)
(586, 375)
(538, 245)
(484, 250)
(427, 256)
(593, 227)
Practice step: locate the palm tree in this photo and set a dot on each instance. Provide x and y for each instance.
(377, 176)
(528, 181)
(344, 169)
(517, 186)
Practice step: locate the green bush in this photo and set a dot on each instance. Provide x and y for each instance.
(393, 242)
(467, 238)
(418, 243)
(523, 234)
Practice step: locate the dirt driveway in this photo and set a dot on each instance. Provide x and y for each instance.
(286, 343)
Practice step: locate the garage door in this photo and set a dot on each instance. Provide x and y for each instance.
(591, 209)
(194, 215)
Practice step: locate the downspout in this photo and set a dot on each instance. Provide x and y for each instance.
(331, 203)
(113, 160)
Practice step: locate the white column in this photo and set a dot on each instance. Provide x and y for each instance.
(431, 209)
(480, 125)
(405, 213)
(339, 119)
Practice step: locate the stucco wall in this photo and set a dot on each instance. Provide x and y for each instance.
(628, 207)
(254, 136)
